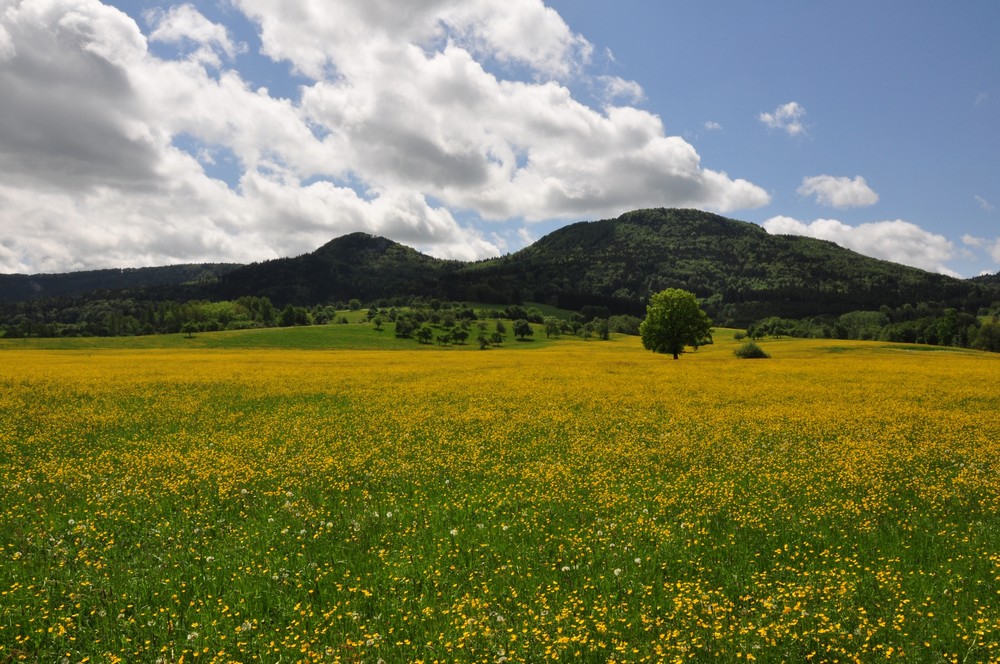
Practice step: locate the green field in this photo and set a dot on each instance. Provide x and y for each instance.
(304, 495)
(350, 336)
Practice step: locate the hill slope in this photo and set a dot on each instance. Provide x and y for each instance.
(21, 287)
(742, 271)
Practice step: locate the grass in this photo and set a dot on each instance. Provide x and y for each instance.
(586, 501)
(351, 336)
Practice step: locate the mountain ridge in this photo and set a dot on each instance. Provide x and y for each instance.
(739, 270)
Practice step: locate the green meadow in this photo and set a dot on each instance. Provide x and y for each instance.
(304, 495)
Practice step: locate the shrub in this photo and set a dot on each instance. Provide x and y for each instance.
(750, 351)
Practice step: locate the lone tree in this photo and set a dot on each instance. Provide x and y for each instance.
(674, 320)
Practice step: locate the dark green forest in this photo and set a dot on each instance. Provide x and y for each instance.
(743, 277)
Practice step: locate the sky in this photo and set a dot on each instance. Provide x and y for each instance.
(144, 132)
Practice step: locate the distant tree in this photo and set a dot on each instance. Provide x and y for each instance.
(515, 311)
(378, 322)
(523, 329)
(405, 326)
(552, 327)
(674, 320)
(750, 351)
(354, 304)
(459, 335)
(189, 328)
(988, 336)
(444, 338)
(602, 329)
(497, 338)
(483, 341)
(425, 334)
(625, 324)
(501, 328)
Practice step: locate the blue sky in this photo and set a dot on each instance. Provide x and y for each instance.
(147, 133)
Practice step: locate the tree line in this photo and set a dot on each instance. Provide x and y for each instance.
(921, 324)
(98, 317)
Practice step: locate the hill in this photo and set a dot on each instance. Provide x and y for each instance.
(741, 272)
(355, 265)
(21, 287)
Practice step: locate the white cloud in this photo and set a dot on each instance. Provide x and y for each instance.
(839, 192)
(712, 126)
(992, 247)
(898, 241)
(618, 88)
(184, 23)
(409, 103)
(984, 204)
(787, 117)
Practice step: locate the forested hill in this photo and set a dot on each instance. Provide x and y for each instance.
(741, 272)
(353, 266)
(20, 287)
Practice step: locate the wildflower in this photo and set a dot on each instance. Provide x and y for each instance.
(618, 571)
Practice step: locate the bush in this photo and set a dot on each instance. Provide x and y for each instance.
(750, 351)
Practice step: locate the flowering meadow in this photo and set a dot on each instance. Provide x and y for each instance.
(578, 502)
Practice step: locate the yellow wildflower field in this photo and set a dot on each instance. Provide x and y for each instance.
(584, 502)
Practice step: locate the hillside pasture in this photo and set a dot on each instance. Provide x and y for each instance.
(585, 502)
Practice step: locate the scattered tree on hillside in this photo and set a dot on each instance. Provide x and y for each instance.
(522, 329)
(674, 320)
(425, 334)
(552, 326)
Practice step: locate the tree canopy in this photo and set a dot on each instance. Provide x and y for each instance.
(674, 320)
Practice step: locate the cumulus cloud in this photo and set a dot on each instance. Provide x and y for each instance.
(787, 117)
(184, 25)
(411, 113)
(839, 192)
(898, 241)
(992, 247)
